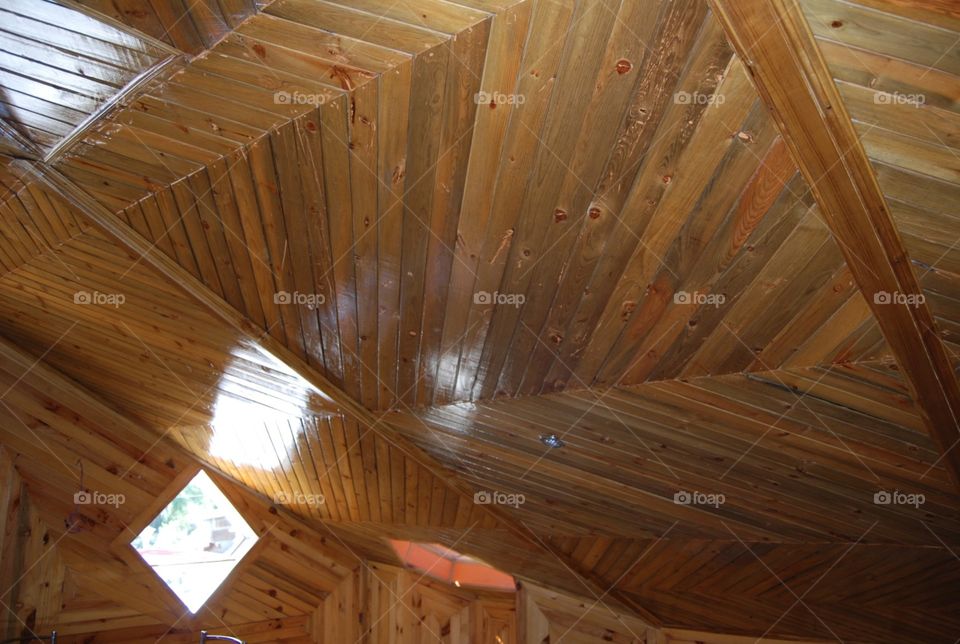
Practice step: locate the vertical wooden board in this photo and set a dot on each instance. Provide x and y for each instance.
(12, 522)
(342, 609)
(397, 485)
(240, 258)
(424, 495)
(8, 244)
(137, 221)
(411, 491)
(172, 221)
(808, 240)
(189, 206)
(209, 21)
(245, 199)
(178, 27)
(368, 451)
(330, 470)
(468, 50)
(653, 120)
(365, 190)
(43, 202)
(617, 73)
(354, 436)
(550, 25)
(290, 450)
(395, 86)
(213, 227)
(297, 239)
(575, 81)
(316, 467)
(814, 274)
(426, 112)
(278, 243)
(338, 465)
(73, 220)
(830, 342)
(436, 502)
(693, 169)
(609, 240)
(32, 212)
(532, 625)
(339, 208)
(235, 11)
(685, 266)
(310, 164)
(25, 229)
(773, 229)
(382, 470)
(508, 35)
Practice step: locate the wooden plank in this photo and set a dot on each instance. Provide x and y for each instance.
(427, 107)
(462, 85)
(328, 396)
(505, 48)
(794, 81)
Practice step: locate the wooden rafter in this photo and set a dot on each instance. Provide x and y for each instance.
(775, 41)
(335, 398)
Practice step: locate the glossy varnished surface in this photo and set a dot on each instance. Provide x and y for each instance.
(60, 65)
(370, 253)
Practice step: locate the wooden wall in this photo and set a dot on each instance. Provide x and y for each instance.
(290, 630)
(31, 576)
(381, 604)
(681, 636)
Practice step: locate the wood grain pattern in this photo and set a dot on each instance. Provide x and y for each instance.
(830, 155)
(361, 259)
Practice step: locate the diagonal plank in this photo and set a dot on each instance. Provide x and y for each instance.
(332, 398)
(776, 43)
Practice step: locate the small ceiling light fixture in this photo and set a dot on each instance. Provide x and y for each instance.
(551, 440)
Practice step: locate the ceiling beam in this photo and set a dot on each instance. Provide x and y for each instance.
(774, 40)
(336, 399)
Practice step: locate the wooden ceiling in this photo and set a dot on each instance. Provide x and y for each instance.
(372, 252)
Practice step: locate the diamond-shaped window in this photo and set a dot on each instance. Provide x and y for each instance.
(195, 541)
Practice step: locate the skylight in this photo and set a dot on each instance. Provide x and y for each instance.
(195, 541)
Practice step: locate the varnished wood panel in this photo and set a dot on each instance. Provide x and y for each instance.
(593, 164)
